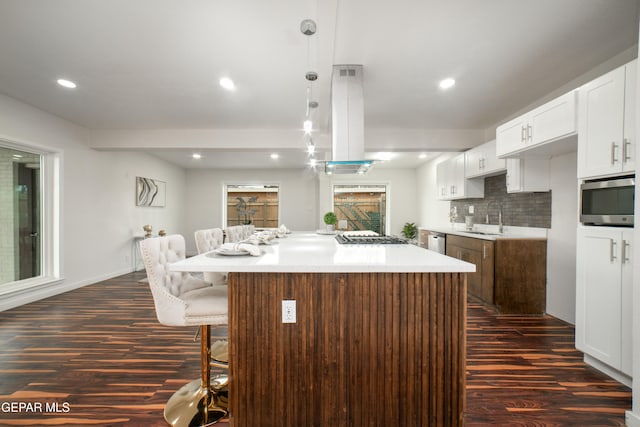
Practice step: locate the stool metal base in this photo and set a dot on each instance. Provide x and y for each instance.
(197, 406)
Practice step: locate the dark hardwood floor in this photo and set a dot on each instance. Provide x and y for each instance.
(100, 355)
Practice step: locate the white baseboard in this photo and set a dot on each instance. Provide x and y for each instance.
(632, 420)
(608, 370)
(46, 290)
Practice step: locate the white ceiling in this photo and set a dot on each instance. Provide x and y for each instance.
(291, 159)
(155, 64)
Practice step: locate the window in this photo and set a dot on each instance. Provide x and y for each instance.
(252, 204)
(28, 217)
(362, 207)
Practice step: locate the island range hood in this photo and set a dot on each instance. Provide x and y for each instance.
(347, 117)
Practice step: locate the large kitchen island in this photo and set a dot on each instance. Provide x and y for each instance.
(378, 338)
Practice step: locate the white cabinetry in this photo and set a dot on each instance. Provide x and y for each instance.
(451, 181)
(531, 132)
(606, 137)
(527, 175)
(603, 295)
(482, 161)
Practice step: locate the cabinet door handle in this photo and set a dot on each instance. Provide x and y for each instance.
(523, 134)
(612, 250)
(626, 144)
(484, 251)
(529, 132)
(625, 251)
(613, 153)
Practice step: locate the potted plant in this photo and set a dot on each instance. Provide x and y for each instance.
(410, 231)
(245, 215)
(330, 219)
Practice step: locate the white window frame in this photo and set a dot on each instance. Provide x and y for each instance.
(50, 185)
(226, 185)
(387, 188)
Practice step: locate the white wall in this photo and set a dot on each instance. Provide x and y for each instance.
(402, 194)
(431, 211)
(561, 238)
(304, 196)
(205, 197)
(98, 212)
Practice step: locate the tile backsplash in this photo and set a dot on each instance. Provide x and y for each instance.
(518, 209)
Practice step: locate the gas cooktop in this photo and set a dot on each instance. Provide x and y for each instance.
(369, 240)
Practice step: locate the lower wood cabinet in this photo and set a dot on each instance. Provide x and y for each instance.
(510, 273)
(481, 253)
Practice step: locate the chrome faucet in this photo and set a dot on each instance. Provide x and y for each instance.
(500, 227)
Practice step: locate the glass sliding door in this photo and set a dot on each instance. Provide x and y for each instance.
(20, 215)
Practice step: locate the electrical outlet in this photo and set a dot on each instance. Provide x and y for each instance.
(471, 209)
(288, 311)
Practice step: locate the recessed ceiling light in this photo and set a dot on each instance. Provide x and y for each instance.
(422, 156)
(274, 155)
(66, 83)
(196, 155)
(447, 83)
(227, 83)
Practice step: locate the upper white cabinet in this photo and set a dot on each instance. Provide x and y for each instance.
(452, 183)
(482, 161)
(537, 132)
(606, 137)
(604, 295)
(527, 175)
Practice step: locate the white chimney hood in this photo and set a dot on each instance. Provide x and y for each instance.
(347, 117)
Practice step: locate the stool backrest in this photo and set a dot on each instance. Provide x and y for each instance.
(209, 239)
(248, 230)
(167, 286)
(234, 233)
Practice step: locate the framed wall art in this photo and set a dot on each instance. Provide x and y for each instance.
(150, 192)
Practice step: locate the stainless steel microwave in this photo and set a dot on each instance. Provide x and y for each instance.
(608, 202)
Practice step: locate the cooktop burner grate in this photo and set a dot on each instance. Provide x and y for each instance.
(369, 240)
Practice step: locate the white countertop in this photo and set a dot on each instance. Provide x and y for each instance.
(490, 232)
(308, 252)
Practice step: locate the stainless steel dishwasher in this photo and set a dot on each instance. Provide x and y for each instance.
(437, 242)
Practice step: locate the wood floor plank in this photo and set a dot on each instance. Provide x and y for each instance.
(101, 350)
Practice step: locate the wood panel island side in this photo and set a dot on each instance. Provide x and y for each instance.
(378, 339)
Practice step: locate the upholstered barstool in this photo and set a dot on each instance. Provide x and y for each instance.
(234, 233)
(248, 230)
(183, 300)
(207, 241)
